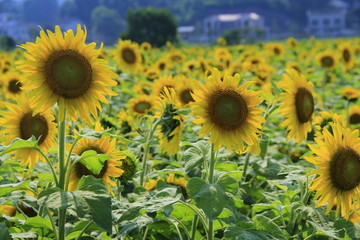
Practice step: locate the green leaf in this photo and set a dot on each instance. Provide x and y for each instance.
(193, 158)
(4, 232)
(90, 198)
(38, 222)
(235, 233)
(91, 134)
(19, 143)
(266, 224)
(194, 186)
(212, 199)
(229, 184)
(184, 111)
(8, 188)
(324, 230)
(226, 166)
(93, 161)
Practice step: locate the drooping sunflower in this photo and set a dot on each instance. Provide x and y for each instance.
(128, 56)
(141, 105)
(172, 123)
(145, 46)
(337, 157)
(62, 68)
(327, 60)
(298, 104)
(13, 84)
(292, 42)
(152, 73)
(111, 167)
(21, 122)
(354, 115)
(275, 49)
(228, 112)
(129, 165)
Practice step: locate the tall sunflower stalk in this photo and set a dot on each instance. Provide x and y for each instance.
(61, 68)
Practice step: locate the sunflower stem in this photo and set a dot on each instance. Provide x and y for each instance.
(212, 163)
(246, 164)
(194, 227)
(62, 170)
(146, 151)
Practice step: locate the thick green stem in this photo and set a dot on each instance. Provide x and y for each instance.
(194, 227)
(246, 164)
(212, 163)
(146, 152)
(62, 170)
(84, 229)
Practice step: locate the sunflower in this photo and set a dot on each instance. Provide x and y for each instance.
(350, 93)
(128, 56)
(184, 89)
(163, 64)
(145, 46)
(293, 65)
(165, 81)
(14, 84)
(324, 119)
(298, 104)
(327, 60)
(62, 68)
(337, 156)
(175, 56)
(354, 115)
(21, 122)
(171, 124)
(347, 55)
(111, 167)
(129, 166)
(181, 182)
(143, 87)
(227, 112)
(275, 49)
(141, 105)
(292, 42)
(151, 184)
(126, 122)
(152, 73)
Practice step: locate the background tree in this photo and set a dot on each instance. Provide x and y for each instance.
(7, 43)
(155, 26)
(84, 10)
(106, 24)
(68, 10)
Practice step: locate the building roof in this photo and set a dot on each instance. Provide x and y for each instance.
(237, 16)
(185, 29)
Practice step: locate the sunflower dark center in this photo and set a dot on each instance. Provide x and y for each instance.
(142, 106)
(68, 73)
(346, 55)
(304, 102)
(345, 169)
(14, 86)
(276, 51)
(327, 61)
(128, 55)
(227, 109)
(162, 66)
(354, 118)
(82, 170)
(185, 96)
(34, 126)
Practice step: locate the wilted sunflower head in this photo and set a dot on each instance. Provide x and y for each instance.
(129, 166)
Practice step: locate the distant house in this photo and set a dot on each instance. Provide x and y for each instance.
(324, 23)
(14, 29)
(187, 33)
(215, 25)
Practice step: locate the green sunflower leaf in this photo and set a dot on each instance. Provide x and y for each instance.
(91, 134)
(209, 197)
(93, 161)
(19, 143)
(4, 232)
(235, 233)
(8, 188)
(91, 201)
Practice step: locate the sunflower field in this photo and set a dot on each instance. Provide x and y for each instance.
(181, 142)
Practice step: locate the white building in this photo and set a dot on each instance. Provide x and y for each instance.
(326, 23)
(215, 25)
(14, 29)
